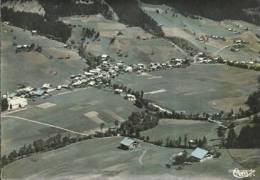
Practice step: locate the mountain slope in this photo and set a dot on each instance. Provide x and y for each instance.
(247, 10)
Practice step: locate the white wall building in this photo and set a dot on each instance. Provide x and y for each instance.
(16, 103)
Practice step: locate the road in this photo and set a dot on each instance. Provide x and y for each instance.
(140, 160)
(44, 124)
(222, 49)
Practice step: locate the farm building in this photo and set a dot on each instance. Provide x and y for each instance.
(39, 92)
(118, 91)
(16, 103)
(198, 154)
(128, 144)
(130, 97)
(104, 57)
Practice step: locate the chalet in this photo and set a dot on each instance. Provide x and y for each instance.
(95, 71)
(198, 154)
(128, 144)
(192, 143)
(34, 32)
(27, 89)
(16, 102)
(118, 91)
(92, 83)
(104, 57)
(131, 97)
(38, 92)
(89, 74)
(46, 86)
(59, 87)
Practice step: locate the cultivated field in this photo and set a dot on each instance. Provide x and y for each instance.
(81, 111)
(198, 88)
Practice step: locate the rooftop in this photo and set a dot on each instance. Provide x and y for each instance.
(127, 141)
(199, 153)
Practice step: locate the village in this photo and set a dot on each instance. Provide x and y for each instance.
(101, 76)
(147, 91)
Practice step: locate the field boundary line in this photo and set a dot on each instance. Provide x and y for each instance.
(46, 124)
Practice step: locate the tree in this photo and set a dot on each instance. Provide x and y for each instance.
(12, 156)
(38, 145)
(137, 133)
(4, 160)
(102, 126)
(185, 140)
(204, 141)
(245, 138)
(142, 94)
(179, 141)
(116, 123)
(147, 138)
(4, 104)
(231, 139)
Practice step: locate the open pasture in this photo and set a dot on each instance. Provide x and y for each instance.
(100, 158)
(34, 68)
(72, 111)
(198, 88)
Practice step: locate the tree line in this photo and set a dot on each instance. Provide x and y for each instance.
(178, 142)
(253, 100)
(248, 137)
(53, 29)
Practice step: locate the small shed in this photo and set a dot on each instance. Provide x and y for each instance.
(198, 154)
(128, 144)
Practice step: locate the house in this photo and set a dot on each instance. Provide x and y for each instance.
(95, 71)
(59, 87)
(89, 74)
(192, 143)
(131, 97)
(16, 102)
(104, 57)
(46, 86)
(39, 92)
(128, 144)
(118, 91)
(92, 83)
(34, 32)
(198, 154)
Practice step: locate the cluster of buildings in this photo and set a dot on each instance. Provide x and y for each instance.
(237, 45)
(26, 47)
(15, 102)
(19, 98)
(197, 155)
(205, 59)
(205, 38)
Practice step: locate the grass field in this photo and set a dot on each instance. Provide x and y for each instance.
(175, 128)
(137, 50)
(196, 88)
(33, 68)
(100, 158)
(190, 29)
(67, 111)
